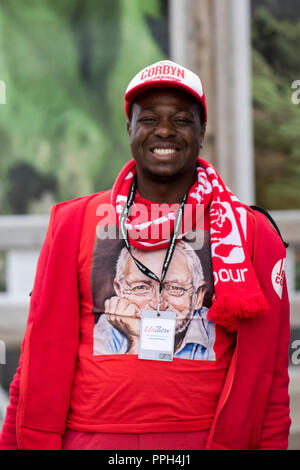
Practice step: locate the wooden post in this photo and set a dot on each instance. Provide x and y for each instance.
(212, 37)
(204, 65)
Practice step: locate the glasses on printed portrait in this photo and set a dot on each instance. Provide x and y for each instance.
(147, 289)
(145, 292)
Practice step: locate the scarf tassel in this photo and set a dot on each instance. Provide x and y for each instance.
(227, 310)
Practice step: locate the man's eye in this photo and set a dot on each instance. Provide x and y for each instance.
(183, 121)
(147, 120)
(141, 289)
(175, 290)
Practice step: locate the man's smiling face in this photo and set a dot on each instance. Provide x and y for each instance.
(165, 134)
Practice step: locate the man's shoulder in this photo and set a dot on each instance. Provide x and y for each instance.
(69, 215)
(261, 229)
(266, 223)
(64, 207)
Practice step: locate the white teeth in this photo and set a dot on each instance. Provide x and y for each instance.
(160, 151)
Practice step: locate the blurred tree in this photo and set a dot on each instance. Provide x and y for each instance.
(96, 28)
(25, 185)
(289, 9)
(157, 26)
(66, 65)
(278, 42)
(277, 119)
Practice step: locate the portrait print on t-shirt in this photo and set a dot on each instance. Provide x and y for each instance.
(120, 291)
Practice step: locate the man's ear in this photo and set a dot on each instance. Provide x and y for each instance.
(202, 289)
(117, 288)
(128, 125)
(202, 133)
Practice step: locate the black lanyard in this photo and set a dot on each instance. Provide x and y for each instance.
(172, 243)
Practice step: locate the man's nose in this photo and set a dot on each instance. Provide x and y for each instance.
(165, 129)
(155, 301)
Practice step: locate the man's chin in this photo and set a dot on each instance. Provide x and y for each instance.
(164, 172)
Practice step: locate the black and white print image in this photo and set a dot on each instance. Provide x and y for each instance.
(117, 303)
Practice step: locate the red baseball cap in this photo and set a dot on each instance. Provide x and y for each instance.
(165, 74)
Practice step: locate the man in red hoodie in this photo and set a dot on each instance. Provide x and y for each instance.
(68, 395)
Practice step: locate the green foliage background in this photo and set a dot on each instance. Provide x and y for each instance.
(276, 66)
(65, 63)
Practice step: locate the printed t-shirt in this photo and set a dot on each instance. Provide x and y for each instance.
(116, 392)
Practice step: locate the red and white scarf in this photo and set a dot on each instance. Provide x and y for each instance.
(237, 296)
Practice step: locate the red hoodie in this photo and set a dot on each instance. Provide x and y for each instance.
(253, 408)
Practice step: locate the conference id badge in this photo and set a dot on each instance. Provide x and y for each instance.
(157, 334)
